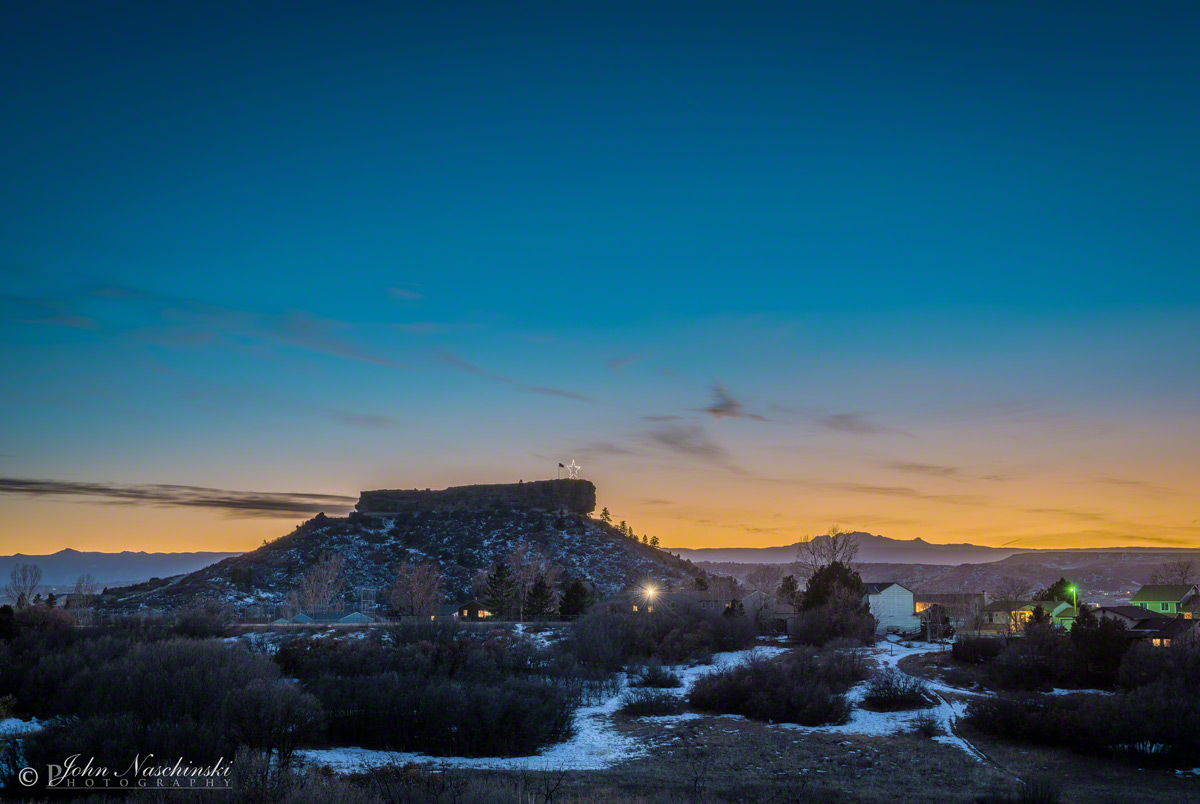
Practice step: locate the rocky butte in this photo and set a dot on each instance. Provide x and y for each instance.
(566, 496)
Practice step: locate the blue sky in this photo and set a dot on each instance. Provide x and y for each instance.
(301, 248)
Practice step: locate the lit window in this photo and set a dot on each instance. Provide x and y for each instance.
(635, 607)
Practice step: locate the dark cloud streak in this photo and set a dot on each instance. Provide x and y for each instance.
(264, 504)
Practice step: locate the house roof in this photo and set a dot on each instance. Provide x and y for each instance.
(877, 588)
(1155, 592)
(1169, 628)
(1132, 612)
(953, 598)
(1053, 607)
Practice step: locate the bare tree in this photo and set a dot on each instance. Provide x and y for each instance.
(417, 589)
(764, 578)
(23, 582)
(1180, 571)
(814, 553)
(85, 590)
(1012, 593)
(321, 583)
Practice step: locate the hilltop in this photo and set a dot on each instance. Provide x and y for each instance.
(462, 529)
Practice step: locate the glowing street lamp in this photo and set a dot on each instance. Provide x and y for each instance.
(1074, 590)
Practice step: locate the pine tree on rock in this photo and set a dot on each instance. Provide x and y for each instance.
(540, 600)
(605, 516)
(500, 595)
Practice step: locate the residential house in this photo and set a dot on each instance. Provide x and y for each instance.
(1134, 617)
(893, 606)
(1169, 598)
(713, 602)
(1012, 617)
(472, 610)
(1152, 627)
(963, 608)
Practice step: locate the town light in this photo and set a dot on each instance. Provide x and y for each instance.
(651, 591)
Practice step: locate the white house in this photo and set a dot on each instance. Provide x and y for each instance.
(893, 606)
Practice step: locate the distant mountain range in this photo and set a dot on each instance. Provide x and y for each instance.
(1104, 575)
(871, 549)
(65, 566)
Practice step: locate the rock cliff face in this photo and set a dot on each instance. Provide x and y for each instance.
(568, 496)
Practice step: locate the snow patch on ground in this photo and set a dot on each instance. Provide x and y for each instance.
(13, 725)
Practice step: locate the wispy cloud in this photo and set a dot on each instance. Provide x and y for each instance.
(180, 322)
(372, 421)
(404, 293)
(932, 469)
(471, 368)
(655, 501)
(621, 361)
(725, 406)
(264, 504)
(662, 418)
(434, 327)
(1135, 485)
(690, 440)
(856, 423)
(48, 312)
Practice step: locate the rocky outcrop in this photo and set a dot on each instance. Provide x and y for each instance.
(570, 496)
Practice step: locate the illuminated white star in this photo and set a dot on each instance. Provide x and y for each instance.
(573, 470)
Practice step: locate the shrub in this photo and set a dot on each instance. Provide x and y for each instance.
(643, 702)
(926, 724)
(204, 619)
(825, 624)
(42, 618)
(976, 650)
(892, 690)
(611, 639)
(653, 674)
(793, 690)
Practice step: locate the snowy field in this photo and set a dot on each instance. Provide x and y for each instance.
(596, 744)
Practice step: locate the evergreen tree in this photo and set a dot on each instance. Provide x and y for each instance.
(645, 539)
(540, 599)
(605, 516)
(832, 583)
(51, 599)
(576, 598)
(1040, 618)
(500, 595)
(654, 541)
(700, 582)
(623, 528)
(789, 590)
(735, 609)
(1059, 590)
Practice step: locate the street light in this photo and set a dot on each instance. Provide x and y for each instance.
(1075, 598)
